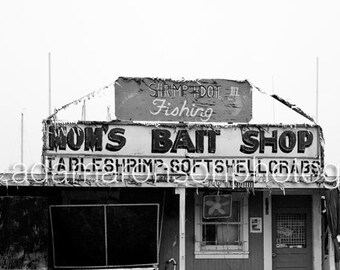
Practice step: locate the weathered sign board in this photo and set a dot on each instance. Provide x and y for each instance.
(208, 152)
(214, 100)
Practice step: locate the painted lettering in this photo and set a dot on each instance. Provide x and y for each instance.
(164, 90)
(57, 138)
(184, 110)
(93, 139)
(250, 143)
(287, 141)
(162, 142)
(114, 136)
(305, 139)
(75, 138)
(183, 141)
(268, 141)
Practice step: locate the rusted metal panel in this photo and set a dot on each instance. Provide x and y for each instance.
(213, 100)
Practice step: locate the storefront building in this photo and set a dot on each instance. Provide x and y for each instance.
(156, 195)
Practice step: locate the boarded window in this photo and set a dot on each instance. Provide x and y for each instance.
(79, 237)
(105, 235)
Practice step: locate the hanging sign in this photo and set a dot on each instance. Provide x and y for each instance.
(214, 100)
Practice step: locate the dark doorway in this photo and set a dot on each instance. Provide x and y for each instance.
(292, 232)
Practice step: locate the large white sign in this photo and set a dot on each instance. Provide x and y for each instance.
(204, 151)
(174, 140)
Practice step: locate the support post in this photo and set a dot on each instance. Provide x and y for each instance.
(181, 192)
(267, 231)
(317, 246)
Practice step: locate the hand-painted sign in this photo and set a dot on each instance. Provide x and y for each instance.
(215, 100)
(140, 149)
(242, 141)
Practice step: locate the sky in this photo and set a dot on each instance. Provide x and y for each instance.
(273, 44)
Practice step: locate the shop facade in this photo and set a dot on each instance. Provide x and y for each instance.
(250, 247)
(127, 195)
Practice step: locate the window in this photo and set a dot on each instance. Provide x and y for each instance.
(291, 230)
(93, 236)
(218, 238)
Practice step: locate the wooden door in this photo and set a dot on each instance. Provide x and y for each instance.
(292, 232)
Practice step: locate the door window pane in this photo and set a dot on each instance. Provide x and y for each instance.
(291, 230)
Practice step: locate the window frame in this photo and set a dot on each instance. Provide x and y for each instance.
(222, 251)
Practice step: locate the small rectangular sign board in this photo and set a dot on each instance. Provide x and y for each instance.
(213, 100)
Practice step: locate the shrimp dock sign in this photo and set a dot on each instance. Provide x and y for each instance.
(213, 100)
